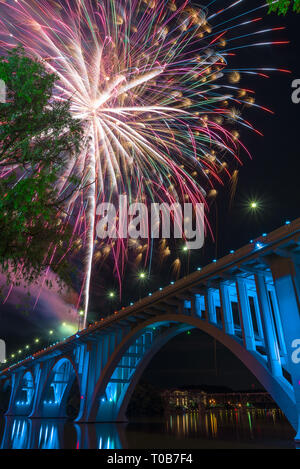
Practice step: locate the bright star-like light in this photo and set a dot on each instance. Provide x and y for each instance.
(253, 205)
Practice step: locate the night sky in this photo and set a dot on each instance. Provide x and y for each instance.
(271, 178)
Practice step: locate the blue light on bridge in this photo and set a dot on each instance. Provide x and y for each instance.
(272, 294)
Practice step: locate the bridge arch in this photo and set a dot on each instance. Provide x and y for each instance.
(59, 381)
(118, 380)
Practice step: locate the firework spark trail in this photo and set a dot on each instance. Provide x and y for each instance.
(147, 81)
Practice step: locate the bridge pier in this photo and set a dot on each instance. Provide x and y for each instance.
(210, 307)
(226, 308)
(268, 326)
(199, 305)
(245, 314)
(41, 375)
(91, 370)
(286, 283)
(15, 382)
(95, 358)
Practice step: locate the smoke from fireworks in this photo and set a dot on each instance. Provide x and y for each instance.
(151, 83)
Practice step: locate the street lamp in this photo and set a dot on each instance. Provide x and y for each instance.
(142, 276)
(80, 316)
(111, 296)
(253, 205)
(185, 250)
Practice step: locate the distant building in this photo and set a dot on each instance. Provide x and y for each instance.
(180, 399)
(184, 399)
(241, 399)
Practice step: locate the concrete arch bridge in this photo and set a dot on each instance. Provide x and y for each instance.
(249, 301)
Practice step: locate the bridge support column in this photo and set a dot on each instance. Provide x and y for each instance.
(287, 290)
(95, 358)
(88, 380)
(245, 315)
(210, 309)
(15, 382)
(198, 309)
(258, 317)
(269, 333)
(226, 309)
(282, 346)
(41, 376)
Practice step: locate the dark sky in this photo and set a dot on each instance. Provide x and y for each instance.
(271, 177)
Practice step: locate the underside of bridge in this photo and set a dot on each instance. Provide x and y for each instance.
(114, 388)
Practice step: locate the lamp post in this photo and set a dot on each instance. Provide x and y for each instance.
(80, 318)
(111, 297)
(185, 250)
(142, 276)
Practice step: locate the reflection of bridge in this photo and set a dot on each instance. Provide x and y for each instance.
(23, 433)
(248, 300)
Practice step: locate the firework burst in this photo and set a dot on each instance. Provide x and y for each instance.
(147, 79)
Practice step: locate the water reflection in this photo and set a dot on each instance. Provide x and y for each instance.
(22, 433)
(231, 424)
(232, 428)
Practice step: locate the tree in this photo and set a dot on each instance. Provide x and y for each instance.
(37, 134)
(145, 400)
(282, 6)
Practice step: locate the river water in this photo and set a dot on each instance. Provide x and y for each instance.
(211, 429)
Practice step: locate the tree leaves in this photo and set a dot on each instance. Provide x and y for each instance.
(282, 6)
(36, 136)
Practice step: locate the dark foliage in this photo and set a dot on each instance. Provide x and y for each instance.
(37, 136)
